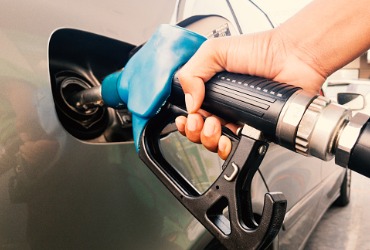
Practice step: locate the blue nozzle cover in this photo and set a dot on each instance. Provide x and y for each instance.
(109, 91)
(145, 83)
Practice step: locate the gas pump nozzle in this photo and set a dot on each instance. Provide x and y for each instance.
(308, 124)
(284, 114)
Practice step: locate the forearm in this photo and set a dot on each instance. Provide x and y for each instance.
(331, 33)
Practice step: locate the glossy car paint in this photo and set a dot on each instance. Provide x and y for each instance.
(59, 192)
(70, 194)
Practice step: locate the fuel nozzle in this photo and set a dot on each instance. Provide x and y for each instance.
(87, 99)
(287, 115)
(308, 124)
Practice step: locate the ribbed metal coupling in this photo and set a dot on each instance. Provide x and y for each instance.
(308, 122)
(319, 128)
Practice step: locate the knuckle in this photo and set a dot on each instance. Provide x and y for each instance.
(184, 76)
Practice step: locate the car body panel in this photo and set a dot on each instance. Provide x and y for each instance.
(60, 192)
(78, 194)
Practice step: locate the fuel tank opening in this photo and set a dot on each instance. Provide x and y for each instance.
(78, 62)
(72, 90)
(83, 122)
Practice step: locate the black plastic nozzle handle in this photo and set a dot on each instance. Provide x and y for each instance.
(252, 100)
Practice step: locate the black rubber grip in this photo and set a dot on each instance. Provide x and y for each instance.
(252, 100)
(359, 160)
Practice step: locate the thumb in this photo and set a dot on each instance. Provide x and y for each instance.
(203, 65)
(194, 90)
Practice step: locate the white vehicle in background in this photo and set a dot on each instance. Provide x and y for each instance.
(353, 93)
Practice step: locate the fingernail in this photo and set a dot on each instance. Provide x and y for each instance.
(191, 124)
(222, 144)
(209, 130)
(179, 124)
(189, 102)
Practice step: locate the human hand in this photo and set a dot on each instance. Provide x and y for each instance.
(262, 54)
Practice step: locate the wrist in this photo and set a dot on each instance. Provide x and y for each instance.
(295, 64)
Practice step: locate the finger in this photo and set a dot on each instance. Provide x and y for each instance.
(211, 133)
(200, 68)
(193, 88)
(232, 126)
(224, 147)
(204, 113)
(193, 127)
(180, 122)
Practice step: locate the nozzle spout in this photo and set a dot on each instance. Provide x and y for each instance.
(87, 99)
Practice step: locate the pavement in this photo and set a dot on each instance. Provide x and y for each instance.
(348, 227)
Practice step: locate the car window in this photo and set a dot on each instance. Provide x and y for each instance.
(199, 166)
